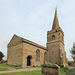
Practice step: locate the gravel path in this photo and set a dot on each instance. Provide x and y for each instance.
(19, 70)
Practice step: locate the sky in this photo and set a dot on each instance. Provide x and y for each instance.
(31, 19)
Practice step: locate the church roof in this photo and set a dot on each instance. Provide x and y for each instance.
(55, 22)
(28, 41)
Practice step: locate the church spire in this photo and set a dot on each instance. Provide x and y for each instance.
(55, 22)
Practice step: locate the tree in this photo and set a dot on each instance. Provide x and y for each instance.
(1, 55)
(73, 51)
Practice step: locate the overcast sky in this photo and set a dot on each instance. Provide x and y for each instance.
(31, 19)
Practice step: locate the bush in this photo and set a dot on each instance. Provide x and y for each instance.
(1, 55)
(3, 61)
(66, 69)
(69, 63)
(33, 65)
(62, 66)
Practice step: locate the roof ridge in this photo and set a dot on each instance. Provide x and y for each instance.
(23, 39)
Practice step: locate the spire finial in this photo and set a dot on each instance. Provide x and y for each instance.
(56, 8)
(56, 11)
(55, 22)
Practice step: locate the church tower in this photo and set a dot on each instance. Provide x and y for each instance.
(55, 44)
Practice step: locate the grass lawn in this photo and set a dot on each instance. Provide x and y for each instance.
(3, 69)
(6, 65)
(70, 67)
(37, 72)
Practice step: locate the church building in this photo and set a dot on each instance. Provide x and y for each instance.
(23, 52)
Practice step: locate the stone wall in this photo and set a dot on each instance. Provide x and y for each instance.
(30, 50)
(15, 54)
(54, 53)
(56, 49)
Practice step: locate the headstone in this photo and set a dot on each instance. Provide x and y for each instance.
(71, 72)
(50, 69)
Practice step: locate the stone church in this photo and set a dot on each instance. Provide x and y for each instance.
(24, 53)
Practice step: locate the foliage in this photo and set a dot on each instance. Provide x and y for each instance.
(1, 55)
(62, 71)
(38, 66)
(66, 69)
(33, 65)
(73, 51)
(71, 63)
(70, 67)
(71, 72)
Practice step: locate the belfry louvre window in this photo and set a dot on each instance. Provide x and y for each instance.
(53, 37)
(45, 56)
(37, 55)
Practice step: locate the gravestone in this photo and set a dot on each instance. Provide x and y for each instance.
(71, 72)
(50, 69)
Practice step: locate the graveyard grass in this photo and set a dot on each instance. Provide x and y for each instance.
(37, 72)
(6, 65)
(3, 69)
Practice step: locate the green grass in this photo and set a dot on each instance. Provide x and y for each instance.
(62, 71)
(70, 67)
(38, 66)
(38, 72)
(3, 69)
(6, 65)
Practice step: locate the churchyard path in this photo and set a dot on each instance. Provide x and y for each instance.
(19, 70)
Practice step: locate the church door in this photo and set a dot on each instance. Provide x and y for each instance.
(29, 61)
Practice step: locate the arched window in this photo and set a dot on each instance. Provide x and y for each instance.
(62, 38)
(37, 55)
(62, 54)
(53, 37)
(45, 56)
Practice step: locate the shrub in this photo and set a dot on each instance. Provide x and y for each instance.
(69, 63)
(1, 55)
(33, 65)
(66, 69)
